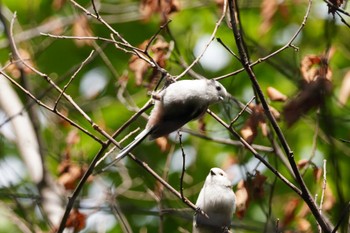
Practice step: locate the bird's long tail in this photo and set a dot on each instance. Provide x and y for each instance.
(138, 139)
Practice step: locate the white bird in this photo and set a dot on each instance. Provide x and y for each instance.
(176, 105)
(218, 201)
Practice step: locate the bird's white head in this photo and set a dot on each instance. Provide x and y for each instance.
(216, 91)
(218, 177)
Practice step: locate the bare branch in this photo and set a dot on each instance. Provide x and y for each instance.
(71, 79)
(183, 167)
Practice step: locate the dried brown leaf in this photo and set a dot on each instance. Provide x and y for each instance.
(314, 67)
(158, 51)
(163, 143)
(58, 4)
(139, 67)
(202, 126)
(290, 211)
(268, 11)
(76, 220)
(317, 85)
(302, 163)
(250, 129)
(70, 174)
(249, 133)
(317, 172)
(14, 70)
(73, 137)
(275, 95)
(70, 178)
(170, 6)
(242, 199)
(303, 225)
(258, 182)
(81, 28)
(148, 8)
(275, 113)
(220, 3)
(227, 163)
(308, 70)
(264, 128)
(163, 7)
(344, 92)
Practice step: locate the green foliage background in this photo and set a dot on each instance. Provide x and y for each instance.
(56, 57)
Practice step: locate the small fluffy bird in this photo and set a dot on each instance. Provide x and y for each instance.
(218, 201)
(176, 105)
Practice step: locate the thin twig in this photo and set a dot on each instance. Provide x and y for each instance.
(228, 49)
(241, 112)
(277, 225)
(72, 78)
(154, 36)
(212, 37)
(343, 217)
(183, 167)
(95, 9)
(226, 141)
(343, 20)
(324, 185)
(119, 215)
(313, 148)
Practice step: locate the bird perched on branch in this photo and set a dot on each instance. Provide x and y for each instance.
(218, 201)
(176, 105)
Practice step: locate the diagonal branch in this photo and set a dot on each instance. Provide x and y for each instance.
(72, 78)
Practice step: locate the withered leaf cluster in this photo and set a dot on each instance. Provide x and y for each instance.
(158, 51)
(162, 7)
(316, 86)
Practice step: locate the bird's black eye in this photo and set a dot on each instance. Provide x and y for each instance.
(218, 88)
(221, 174)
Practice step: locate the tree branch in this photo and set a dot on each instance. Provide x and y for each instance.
(243, 52)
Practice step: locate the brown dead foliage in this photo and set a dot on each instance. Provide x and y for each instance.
(256, 120)
(158, 51)
(316, 85)
(162, 7)
(81, 28)
(76, 220)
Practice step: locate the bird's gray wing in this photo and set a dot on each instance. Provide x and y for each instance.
(176, 117)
